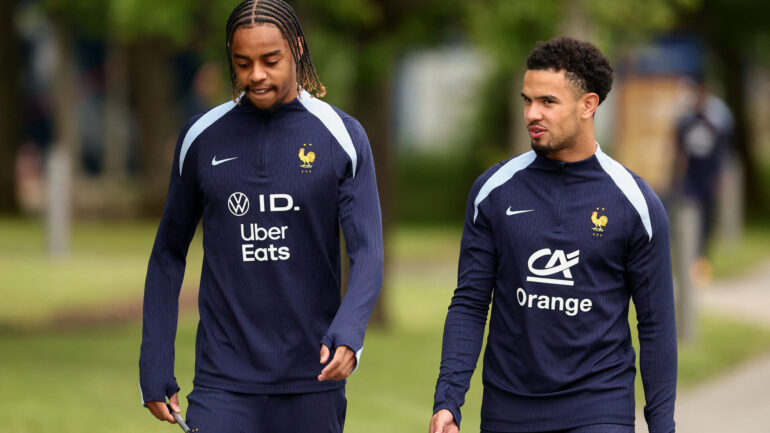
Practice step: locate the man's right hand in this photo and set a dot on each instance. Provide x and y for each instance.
(160, 410)
(443, 422)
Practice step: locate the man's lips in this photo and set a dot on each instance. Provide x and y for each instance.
(536, 131)
(259, 91)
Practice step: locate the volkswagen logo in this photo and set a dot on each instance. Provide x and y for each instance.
(238, 204)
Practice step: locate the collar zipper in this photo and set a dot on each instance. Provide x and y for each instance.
(563, 169)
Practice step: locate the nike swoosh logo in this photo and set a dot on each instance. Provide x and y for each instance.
(516, 212)
(215, 162)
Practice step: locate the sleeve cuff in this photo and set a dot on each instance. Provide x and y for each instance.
(358, 360)
(170, 391)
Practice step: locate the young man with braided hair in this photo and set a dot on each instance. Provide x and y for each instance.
(273, 175)
(565, 237)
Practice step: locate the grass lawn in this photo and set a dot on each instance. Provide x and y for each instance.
(106, 264)
(86, 380)
(734, 259)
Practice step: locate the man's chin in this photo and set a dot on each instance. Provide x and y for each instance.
(541, 148)
(261, 105)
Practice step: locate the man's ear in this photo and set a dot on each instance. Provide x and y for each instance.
(589, 103)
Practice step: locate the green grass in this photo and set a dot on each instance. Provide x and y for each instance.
(106, 264)
(79, 381)
(722, 342)
(86, 380)
(734, 259)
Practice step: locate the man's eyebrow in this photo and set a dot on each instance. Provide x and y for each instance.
(271, 53)
(540, 97)
(244, 57)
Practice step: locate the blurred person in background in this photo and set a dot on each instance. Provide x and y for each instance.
(565, 237)
(273, 175)
(703, 136)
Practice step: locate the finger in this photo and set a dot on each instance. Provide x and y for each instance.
(341, 366)
(172, 413)
(344, 364)
(329, 370)
(440, 427)
(174, 402)
(324, 354)
(160, 411)
(434, 425)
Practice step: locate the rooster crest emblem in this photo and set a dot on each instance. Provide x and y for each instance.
(307, 158)
(599, 221)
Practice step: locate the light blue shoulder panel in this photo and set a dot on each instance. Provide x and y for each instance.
(625, 181)
(333, 122)
(200, 125)
(504, 174)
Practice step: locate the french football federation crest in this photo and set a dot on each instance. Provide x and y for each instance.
(599, 222)
(307, 158)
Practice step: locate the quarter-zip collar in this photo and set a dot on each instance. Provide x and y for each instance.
(576, 167)
(281, 109)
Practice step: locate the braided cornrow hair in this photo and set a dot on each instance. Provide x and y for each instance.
(282, 15)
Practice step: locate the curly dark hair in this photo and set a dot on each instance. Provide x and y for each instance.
(583, 64)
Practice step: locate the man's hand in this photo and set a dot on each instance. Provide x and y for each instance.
(443, 422)
(342, 364)
(160, 410)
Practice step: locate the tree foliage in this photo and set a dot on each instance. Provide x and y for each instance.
(129, 20)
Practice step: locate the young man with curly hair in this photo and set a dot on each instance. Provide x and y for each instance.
(564, 237)
(272, 175)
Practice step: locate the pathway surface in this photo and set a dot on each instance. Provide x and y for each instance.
(738, 401)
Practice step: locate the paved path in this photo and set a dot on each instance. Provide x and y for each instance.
(738, 401)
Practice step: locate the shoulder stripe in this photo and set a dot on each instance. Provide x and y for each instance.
(200, 125)
(333, 122)
(625, 181)
(504, 174)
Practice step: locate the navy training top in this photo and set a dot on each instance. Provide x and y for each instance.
(563, 247)
(272, 189)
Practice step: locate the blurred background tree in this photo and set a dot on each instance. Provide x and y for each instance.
(738, 38)
(109, 84)
(10, 100)
(148, 65)
(507, 31)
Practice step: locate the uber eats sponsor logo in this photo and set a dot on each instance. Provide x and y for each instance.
(557, 263)
(260, 243)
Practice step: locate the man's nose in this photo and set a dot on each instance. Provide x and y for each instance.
(532, 113)
(257, 74)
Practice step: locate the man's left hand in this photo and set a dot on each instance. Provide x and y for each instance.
(342, 364)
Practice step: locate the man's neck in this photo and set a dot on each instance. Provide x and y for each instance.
(583, 148)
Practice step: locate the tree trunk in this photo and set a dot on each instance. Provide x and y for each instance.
(152, 84)
(10, 102)
(116, 117)
(67, 137)
(734, 75)
(377, 121)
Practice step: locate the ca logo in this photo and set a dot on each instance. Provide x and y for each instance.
(558, 263)
(238, 204)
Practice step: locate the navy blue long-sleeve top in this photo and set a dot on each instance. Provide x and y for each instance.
(559, 249)
(272, 190)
